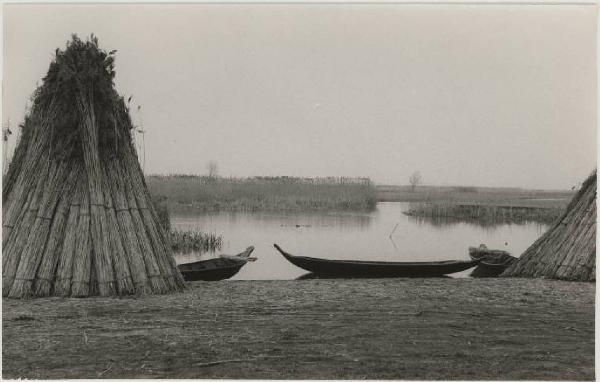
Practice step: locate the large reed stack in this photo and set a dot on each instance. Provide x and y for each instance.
(77, 216)
(568, 250)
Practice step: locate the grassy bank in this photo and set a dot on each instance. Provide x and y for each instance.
(412, 329)
(485, 214)
(204, 194)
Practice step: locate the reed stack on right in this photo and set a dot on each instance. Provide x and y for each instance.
(567, 251)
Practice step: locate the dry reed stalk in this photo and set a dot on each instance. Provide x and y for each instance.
(82, 261)
(32, 254)
(64, 270)
(27, 195)
(568, 249)
(98, 221)
(562, 241)
(94, 284)
(168, 268)
(573, 265)
(157, 238)
(35, 157)
(14, 211)
(47, 269)
(7, 240)
(572, 244)
(578, 233)
(19, 238)
(578, 263)
(536, 269)
(166, 261)
(160, 237)
(14, 170)
(152, 268)
(127, 231)
(125, 283)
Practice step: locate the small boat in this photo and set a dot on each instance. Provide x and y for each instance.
(219, 268)
(375, 269)
(492, 262)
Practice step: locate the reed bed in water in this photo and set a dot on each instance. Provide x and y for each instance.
(185, 241)
(195, 241)
(205, 194)
(485, 213)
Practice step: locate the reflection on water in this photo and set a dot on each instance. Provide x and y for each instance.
(385, 235)
(335, 220)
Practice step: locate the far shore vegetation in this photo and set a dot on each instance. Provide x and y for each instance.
(212, 194)
(484, 214)
(493, 196)
(483, 205)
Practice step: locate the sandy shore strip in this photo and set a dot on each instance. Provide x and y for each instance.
(334, 329)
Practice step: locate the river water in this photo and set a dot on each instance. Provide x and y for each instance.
(384, 234)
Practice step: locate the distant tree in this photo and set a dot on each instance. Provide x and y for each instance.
(213, 169)
(415, 180)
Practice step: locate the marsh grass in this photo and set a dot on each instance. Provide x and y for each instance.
(486, 214)
(195, 241)
(185, 241)
(204, 194)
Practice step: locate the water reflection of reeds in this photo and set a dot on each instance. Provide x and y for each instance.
(448, 223)
(338, 220)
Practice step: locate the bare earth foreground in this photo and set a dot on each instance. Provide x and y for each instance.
(390, 328)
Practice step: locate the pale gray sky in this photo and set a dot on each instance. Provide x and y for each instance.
(492, 95)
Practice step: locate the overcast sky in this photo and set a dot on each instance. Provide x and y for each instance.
(492, 95)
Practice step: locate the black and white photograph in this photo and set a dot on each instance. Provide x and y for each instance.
(299, 190)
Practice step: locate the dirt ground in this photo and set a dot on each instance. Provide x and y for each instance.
(312, 329)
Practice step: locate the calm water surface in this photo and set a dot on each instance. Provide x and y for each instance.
(345, 235)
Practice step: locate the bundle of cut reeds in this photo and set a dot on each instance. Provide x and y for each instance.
(567, 251)
(77, 216)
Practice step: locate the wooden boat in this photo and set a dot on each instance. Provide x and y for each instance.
(219, 268)
(492, 262)
(376, 269)
(483, 252)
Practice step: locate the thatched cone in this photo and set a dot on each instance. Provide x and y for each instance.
(77, 216)
(568, 250)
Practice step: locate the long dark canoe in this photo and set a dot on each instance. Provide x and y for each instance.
(219, 268)
(492, 262)
(376, 269)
